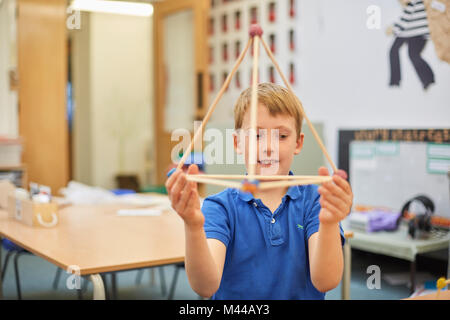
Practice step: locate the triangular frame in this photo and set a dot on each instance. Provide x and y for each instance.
(251, 182)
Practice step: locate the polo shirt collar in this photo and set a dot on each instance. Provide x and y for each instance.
(293, 192)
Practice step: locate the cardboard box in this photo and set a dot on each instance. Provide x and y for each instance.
(33, 214)
(438, 15)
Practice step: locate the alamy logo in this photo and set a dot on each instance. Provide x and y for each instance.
(74, 280)
(73, 21)
(374, 17)
(374, 280)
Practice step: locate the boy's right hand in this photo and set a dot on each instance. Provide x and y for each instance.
(184, 197)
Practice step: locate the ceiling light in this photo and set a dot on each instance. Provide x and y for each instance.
(115, 7)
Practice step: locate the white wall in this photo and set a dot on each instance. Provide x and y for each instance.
(344, 72)
(8, 60)
(342, 67)
(120, 102)
(311, 156)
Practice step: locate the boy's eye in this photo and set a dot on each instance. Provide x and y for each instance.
(281, 136)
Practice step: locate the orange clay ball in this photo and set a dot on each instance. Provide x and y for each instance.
(249, 187)
(440, 284)
(255, 30)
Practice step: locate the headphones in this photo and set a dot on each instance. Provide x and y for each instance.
(420, 224)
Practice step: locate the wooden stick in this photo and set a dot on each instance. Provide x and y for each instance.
(257, 177)
(278, 184)
(213, 105)
(230, 184)
(262, 186)
(311, 127)
(252, 151)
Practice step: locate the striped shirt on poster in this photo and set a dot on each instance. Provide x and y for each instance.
(413, 21)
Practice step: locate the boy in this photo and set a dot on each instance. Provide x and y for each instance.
(283, 243)
(412, 28)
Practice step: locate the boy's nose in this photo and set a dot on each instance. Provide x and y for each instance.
(269, 143)
(268, 152)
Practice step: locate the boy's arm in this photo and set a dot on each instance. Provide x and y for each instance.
(204, 258)
(204, 262)
(326, 257)
(325, 247)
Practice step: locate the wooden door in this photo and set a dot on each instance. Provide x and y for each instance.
(42, 64)
(181, 82)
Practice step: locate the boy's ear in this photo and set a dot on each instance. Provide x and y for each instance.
(299, 143)
(236, 143)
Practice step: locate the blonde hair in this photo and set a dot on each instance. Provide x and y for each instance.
(276, 98)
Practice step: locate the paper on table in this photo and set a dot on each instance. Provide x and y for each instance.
(79, 193)
(404, 278)
(142, 200)
(139, 212)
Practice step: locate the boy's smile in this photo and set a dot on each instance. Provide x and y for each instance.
(277, 142)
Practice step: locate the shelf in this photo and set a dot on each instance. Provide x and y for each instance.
(19, 181)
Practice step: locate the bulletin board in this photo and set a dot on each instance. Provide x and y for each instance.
(388, 167)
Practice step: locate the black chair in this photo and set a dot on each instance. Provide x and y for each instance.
(161, 276)
(13, 250)
(16, 251)
(174, 280)
(178, 267)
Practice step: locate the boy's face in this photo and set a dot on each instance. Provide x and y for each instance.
(277, 142)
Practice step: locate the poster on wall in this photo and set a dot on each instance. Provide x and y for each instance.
(420, 21)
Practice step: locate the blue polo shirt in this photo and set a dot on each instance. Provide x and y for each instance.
(267, 254)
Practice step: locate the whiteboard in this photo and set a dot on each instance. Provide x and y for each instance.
(389, 174)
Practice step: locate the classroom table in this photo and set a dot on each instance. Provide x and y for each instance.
(443, 295)
(96, 240)
(397, 244)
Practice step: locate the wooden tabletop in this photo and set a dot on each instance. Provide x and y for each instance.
(96, 239)
(443, 295)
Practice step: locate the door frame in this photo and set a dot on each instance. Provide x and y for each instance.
(163, 144)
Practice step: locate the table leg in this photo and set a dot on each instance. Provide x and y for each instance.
(345, 287)
(163, 280)
(79, 294)
(114, 286)
(1, 264)
(105, 285)
(99, 288)
(152, 276)
(413, 276)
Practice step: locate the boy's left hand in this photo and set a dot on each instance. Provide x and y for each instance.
(336, 197)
